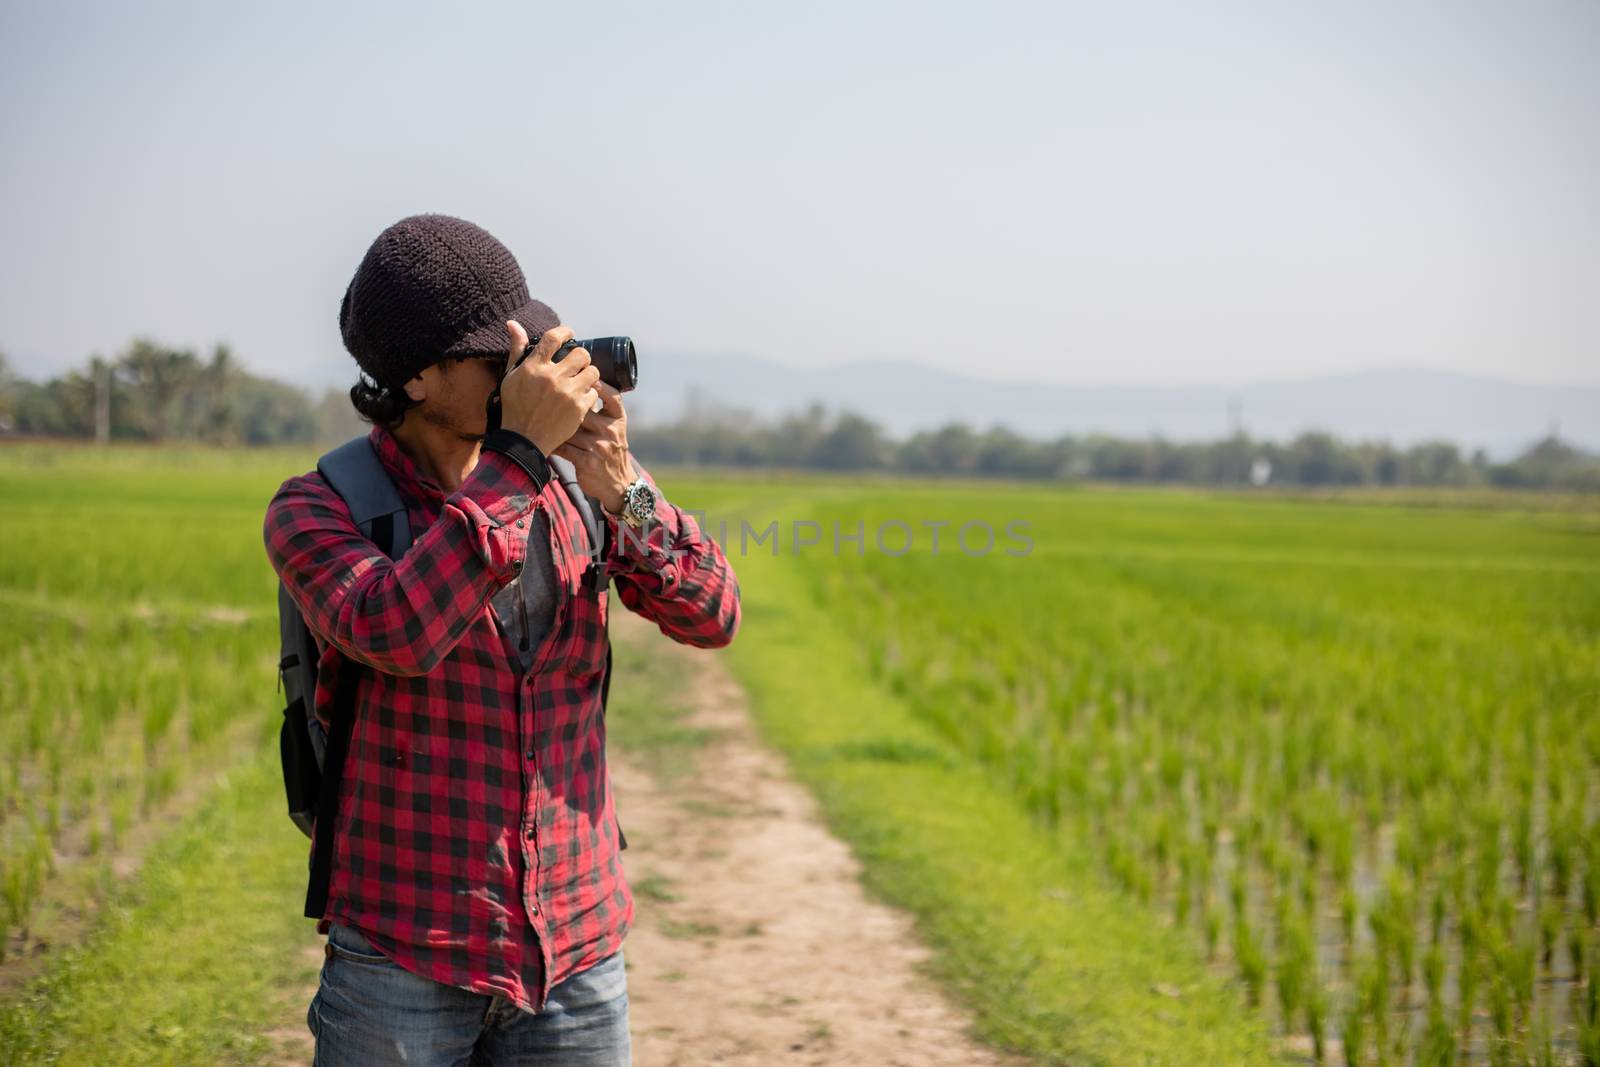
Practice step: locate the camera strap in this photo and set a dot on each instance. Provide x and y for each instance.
(596, 574)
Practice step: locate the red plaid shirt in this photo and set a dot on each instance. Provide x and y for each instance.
(476, 840)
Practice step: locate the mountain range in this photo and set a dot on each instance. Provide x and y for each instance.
(1401, 405)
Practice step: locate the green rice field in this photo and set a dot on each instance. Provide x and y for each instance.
(136, 649)
(1193, 778)
(1346, 749)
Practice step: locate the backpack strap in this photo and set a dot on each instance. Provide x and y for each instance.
(359, 477)
(337, 747)
(301, 741)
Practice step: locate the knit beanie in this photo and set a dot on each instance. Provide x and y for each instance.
(431, 287)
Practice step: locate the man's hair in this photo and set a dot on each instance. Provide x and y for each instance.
(384, 406)
(379, 404)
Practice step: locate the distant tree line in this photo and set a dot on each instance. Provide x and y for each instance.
(814, 439)
(155, 393)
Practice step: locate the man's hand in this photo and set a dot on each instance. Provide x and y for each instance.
(598, 451)
(544, 401)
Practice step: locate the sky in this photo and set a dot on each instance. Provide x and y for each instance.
(1116, 193)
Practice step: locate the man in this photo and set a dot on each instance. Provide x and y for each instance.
(476, 904)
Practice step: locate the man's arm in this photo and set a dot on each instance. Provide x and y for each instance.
(668, 571)
(404, 617)
(674, 574)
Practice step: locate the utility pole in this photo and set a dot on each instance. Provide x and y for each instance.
(1232, 448)
(102, 401)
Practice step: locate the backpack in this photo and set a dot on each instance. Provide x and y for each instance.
(313, 757)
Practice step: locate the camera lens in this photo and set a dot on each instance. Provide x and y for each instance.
(616, 360)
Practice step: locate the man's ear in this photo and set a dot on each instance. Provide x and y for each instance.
(417, 388)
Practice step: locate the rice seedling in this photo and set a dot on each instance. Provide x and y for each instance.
(129, 664)
(1365, 728)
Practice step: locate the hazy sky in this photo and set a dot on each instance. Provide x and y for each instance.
(1112, 193)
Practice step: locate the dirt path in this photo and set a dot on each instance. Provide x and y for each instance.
(754, 942)
(773, 952)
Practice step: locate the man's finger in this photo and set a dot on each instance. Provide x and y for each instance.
(518, 341)
(575, 362)
(581, 441)
(599, 421)
(611, 399)
(578, 457)
(549, 341)
(588, 436)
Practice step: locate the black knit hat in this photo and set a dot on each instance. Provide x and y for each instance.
(430, 287)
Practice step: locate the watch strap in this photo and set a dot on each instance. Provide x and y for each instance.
(630, 513)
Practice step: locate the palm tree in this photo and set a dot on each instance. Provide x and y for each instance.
(221, 376)
(159, 377)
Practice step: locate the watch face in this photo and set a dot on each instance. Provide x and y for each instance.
(641, 501)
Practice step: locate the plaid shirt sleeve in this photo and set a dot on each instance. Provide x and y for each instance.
(672, 573)
(400, 618)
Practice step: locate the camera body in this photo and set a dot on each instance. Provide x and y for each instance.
(614, 357)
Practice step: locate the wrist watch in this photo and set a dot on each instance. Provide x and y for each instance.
(638, 503)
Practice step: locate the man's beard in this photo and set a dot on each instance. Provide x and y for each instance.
(446, 422)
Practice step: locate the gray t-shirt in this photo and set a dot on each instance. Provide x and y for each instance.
(536, 586)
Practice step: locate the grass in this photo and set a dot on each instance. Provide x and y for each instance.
(137, 676)
(1200, 774)
(657, 887)
(137, 650)
(1317, 741)
(645, 710)
(196, 959)
(688, 929)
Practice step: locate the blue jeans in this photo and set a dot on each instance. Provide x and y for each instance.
(368, 1011)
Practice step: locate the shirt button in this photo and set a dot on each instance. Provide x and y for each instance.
(521, 523)
(530, 753)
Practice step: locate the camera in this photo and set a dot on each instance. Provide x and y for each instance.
(613, 357)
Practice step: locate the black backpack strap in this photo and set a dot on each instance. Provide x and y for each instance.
(358, 476)
(301, 740)
(338, 747)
